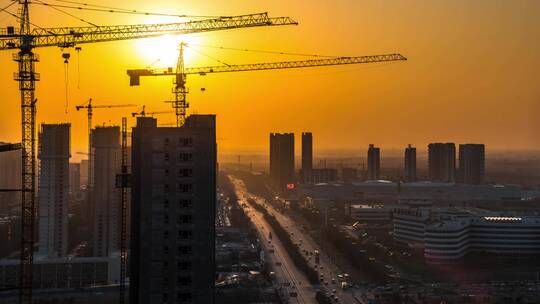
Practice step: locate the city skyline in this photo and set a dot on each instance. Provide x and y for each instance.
(450, 83)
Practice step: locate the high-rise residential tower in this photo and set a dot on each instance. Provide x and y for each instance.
(374, 162)
(53, 189)
(74, 178)
(282, 159)
(442, 162)
(410, 164)
(471, 164)
(307, 155)
(173, 205)
(106, 197)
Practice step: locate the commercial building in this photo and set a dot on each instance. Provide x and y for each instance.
(349, 174)
(307, 155)
(472, 164)
(53, 189)
(173, 211)
(442, 162)
(447, 235)
(323, 175)
(282, 171)
(106, 204)
(366, 214)
(410, 164)
(374, 162)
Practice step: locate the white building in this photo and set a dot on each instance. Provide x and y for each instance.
(446, 235)
(370, 213)
(53, 189)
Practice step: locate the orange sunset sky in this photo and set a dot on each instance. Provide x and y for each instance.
(473, 73)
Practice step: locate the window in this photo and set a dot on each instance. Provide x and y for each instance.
(184, 234)
(183, 297)
(184, 219)
(185, 157)
(166, 156)
(185, 172)
(185, 188)
(184, 281)
(186, 141)
(184, 265)
(185, 203)
(184, 249)
(166, 141)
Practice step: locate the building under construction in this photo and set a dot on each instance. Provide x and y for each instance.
(53, 191)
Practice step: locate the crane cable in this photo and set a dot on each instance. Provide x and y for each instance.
(66, 78)
(4, 9)
(64, 12)
(107, 9)
(213, 58)
(262, 51)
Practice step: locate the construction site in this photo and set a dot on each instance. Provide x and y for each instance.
(134, 219)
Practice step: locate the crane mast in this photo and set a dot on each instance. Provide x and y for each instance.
(27, 39)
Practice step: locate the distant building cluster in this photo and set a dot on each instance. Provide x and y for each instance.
(442, 164)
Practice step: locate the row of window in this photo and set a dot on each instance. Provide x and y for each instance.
(182, 142)
(182, 157)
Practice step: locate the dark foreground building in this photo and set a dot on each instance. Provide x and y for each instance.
(173, 204)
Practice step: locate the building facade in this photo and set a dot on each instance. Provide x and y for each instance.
(374, 162)
(53, 189)
(442, 162)
(307, 155)
(472, 164)
(173, 206)
(74, 178)
(410, 164)
(106, 197)
(282, 171)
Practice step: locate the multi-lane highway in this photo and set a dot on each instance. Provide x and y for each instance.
(287, 271)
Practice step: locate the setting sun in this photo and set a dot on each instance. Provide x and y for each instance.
(163, 51)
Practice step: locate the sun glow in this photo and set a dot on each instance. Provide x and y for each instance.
(162, 51)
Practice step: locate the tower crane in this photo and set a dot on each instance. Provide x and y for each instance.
(180, 104)
(143, 112)
(25, 39)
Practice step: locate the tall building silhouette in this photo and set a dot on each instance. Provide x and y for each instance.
(442, 162)
(53, 189)
(374, 162)
(106, 197)
(410, 164)
(471, 164)
(282, 159)
(307, 155)
(74, 178)
(172, 217)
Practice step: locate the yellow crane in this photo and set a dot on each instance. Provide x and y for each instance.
(30, 36)
(180, 73)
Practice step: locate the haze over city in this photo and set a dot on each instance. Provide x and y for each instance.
(471, 75)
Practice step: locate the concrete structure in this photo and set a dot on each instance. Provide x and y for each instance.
(349, 174)
(442, 162)
(366, 214)
(410, 164)
(374, 162)
(63, 272)
(74, 178)
(282, 170)
(307, 155)
(173, 211)
(106, 206)
(324, 175)
(472, 164)
(447, 235)
(53, 189)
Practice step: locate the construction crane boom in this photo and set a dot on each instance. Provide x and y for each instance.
(143, 113)
(71, 36)
(180, 103)
(135, 74)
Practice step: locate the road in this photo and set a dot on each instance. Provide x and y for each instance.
(326, 268)
(288, 277)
